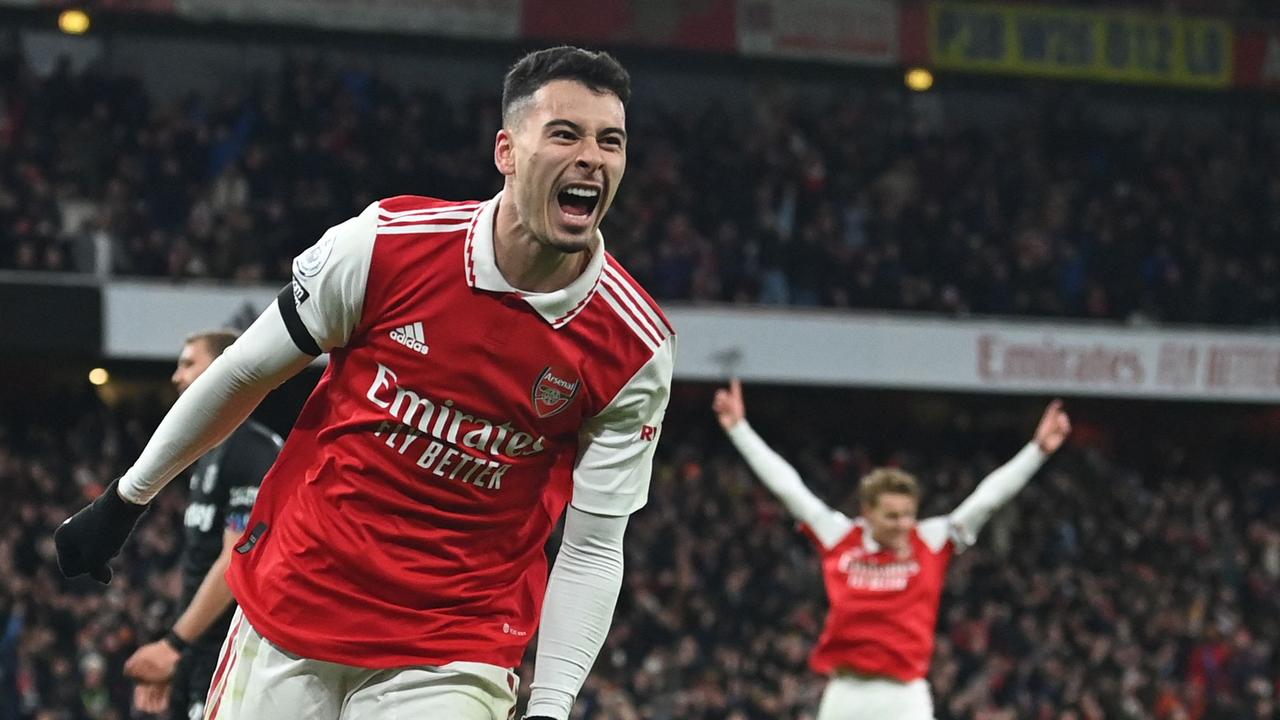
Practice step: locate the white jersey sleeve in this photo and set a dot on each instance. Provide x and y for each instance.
(582, 593)
(936, 532)
(322, 305)
(615, 457)
(996, 489)
(827, 524)
(215, 404)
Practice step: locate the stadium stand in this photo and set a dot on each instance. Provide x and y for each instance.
(858, 201)
(1119, 584)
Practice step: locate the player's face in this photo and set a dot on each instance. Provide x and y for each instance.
(566, 158)
(891, 520)
(194, 359)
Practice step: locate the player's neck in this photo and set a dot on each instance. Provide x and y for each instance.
(528, 264)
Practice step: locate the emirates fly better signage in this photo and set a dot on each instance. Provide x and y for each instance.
(149, 319)
(1011, 356)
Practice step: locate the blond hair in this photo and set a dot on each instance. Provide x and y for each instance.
(882, 481)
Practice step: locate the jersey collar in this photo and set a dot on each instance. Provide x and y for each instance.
(557, 307)
(868, 542)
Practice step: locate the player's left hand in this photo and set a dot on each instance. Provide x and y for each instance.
(1053, 429)
(86, 541)
(729, 406)
(153, 663)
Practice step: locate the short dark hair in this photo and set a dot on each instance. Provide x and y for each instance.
(599, 71)
(216, 341)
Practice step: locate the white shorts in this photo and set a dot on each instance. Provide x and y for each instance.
(255, 680)
(859, 697)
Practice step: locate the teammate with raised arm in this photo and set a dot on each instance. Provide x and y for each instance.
(883, 570)
(489, 365)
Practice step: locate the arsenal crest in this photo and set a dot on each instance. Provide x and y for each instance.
(553, 391)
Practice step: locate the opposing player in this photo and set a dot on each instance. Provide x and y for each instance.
(883, 571)
(489, 364)
(173, 673)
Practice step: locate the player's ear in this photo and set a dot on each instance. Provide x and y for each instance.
(504, 152)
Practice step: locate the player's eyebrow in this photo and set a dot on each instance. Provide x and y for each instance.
(561, 122)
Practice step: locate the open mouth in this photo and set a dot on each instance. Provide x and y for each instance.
(578, 201)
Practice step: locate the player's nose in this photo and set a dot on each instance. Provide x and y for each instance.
(590, 156)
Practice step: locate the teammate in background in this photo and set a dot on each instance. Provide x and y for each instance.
(489, 364)
(883, 571)
(173, 673)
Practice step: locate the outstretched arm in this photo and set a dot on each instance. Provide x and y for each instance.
(1007, 480)
(316, 313)
(776, 473)
(215, 404)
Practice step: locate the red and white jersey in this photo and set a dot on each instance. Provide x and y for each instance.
(884, 607)
(405, 521)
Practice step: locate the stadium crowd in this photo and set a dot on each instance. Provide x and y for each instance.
(1105, 591)
(862, 199)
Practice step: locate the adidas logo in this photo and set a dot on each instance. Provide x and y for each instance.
(411, 337)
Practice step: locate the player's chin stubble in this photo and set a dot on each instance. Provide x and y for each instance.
(568, 246)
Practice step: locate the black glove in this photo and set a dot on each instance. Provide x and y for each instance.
(87, 540)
